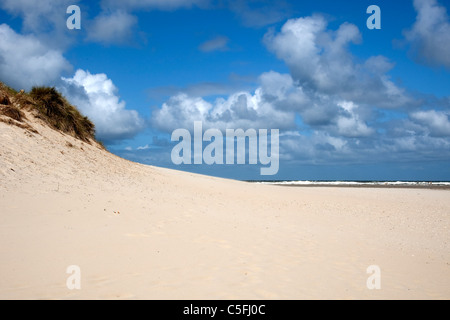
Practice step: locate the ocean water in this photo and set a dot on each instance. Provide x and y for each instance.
(360, 183)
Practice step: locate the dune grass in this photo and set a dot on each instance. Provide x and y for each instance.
(49, 105)
(7, 108)
(60, 114)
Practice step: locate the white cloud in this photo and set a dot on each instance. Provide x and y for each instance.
(320, 61)
(281, 91)
(239, 110)
(430, 34)
(316, 58)
(324, 147)
(436, 122)
(112, 28)
(26, 62)
(37, 15)
(378, 65)
(351, 125)
(272, 105)
(319, 147)
(319, 111)
(45, 19)
(180, 111)
(96, 96)
(276, 84)
(219, 43)
(146, 147)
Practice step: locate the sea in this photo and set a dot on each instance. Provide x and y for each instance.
(346, 183)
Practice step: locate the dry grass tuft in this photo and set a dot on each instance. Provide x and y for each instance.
(54, 109)
(12, 112)
(4, 99)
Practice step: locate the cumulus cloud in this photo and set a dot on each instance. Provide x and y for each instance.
(44, 18)
(112, 28)
(38, 15)
(318, 111)
(96, 96)
(320, 61)
(280, 90)
(406, 141)
(239, 110)
(274, 104)
(311, 53)
(350, 124)
(26, 62)
(430, 34)
(320, 147)
(437, 123)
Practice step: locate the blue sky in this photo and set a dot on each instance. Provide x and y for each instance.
(350, 103)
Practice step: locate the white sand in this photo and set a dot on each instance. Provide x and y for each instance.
(142, 232)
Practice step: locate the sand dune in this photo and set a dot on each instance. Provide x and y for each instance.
(141, 232)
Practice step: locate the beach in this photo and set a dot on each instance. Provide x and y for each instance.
(142, 232)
